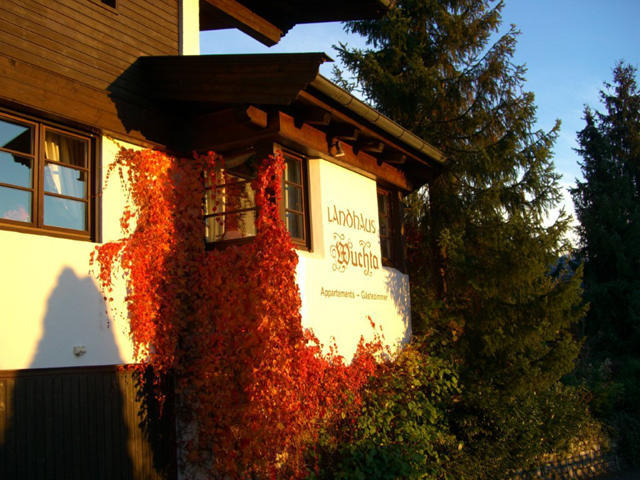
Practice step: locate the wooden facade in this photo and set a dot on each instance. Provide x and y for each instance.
(79, 423)
(72, 59)
(102, 42)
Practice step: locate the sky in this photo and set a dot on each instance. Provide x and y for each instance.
(568, 46)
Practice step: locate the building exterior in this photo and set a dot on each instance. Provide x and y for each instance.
(79, 79)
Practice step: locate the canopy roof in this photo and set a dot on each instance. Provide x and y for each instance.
(288, 84)
(268, 21)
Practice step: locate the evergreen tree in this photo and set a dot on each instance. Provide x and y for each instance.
(608, 207)
(482, 287)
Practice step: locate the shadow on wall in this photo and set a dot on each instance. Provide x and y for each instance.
(76, 318)
(71, 422)
(144, 113)
(398, 287)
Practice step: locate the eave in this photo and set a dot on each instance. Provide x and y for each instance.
(268, 22)
(233, 100)
(225, 79)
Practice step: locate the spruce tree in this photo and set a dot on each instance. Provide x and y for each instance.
(608, 207)
(484, 290)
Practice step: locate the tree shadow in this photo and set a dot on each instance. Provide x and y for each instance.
(398, 287)
(79, 422)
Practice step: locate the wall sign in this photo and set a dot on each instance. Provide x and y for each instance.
(351, 219)
(362, 295)
(342, 280)
(350, 253)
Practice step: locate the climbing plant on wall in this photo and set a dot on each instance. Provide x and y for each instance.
(252, 386)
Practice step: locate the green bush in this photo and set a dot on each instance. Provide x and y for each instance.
(402, 431)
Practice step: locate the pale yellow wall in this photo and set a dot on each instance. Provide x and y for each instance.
(345, 319)
(189, 27)
(50, 302)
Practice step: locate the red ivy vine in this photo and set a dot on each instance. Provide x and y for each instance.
(253, 385)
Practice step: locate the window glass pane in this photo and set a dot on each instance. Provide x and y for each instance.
(15, 170)
(15, 137)
(15, 204)
(231, 226)
(293, 197)
(61, 212)
(295, 225)
(293, 172)
(62, 148)
(65, 181)
(231, 193)
(244, 165)
(234, 197)
(209, 202)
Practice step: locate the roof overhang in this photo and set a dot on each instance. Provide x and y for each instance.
(269, 21)
(226, 79)
(377, 120)
(275, 91)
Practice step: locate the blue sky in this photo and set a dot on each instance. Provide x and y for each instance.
(568, 46)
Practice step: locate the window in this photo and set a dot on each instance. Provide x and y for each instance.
(230, 209)
(45, 178)
(294, 205)
(386, 225)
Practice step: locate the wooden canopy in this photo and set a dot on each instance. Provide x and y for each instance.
(231, 102)
(207, 81)
(269, 21)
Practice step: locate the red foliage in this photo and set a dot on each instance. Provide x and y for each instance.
(226, 323)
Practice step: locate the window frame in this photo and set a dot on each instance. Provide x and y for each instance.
(305, 242)
(390, 237)
(225, 241)
(36, 226)
(299, 243)
(395, 237)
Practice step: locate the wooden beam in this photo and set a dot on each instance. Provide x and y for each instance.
(256, 116)
(311, 115)
(369, 146)
(345, 132)
(395, 157)
(337, 115)
(316, 143)
(249, 22)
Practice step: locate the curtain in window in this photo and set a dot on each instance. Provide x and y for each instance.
(66, 182)
(64, 150)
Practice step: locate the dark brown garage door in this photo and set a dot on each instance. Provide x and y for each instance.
(80, 424)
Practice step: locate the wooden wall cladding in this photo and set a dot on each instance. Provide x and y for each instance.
(73, 59)
(84, 40)
(77, 423)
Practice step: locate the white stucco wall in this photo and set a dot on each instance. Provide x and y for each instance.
(189, 24)
(339, 298)
(50, 302)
